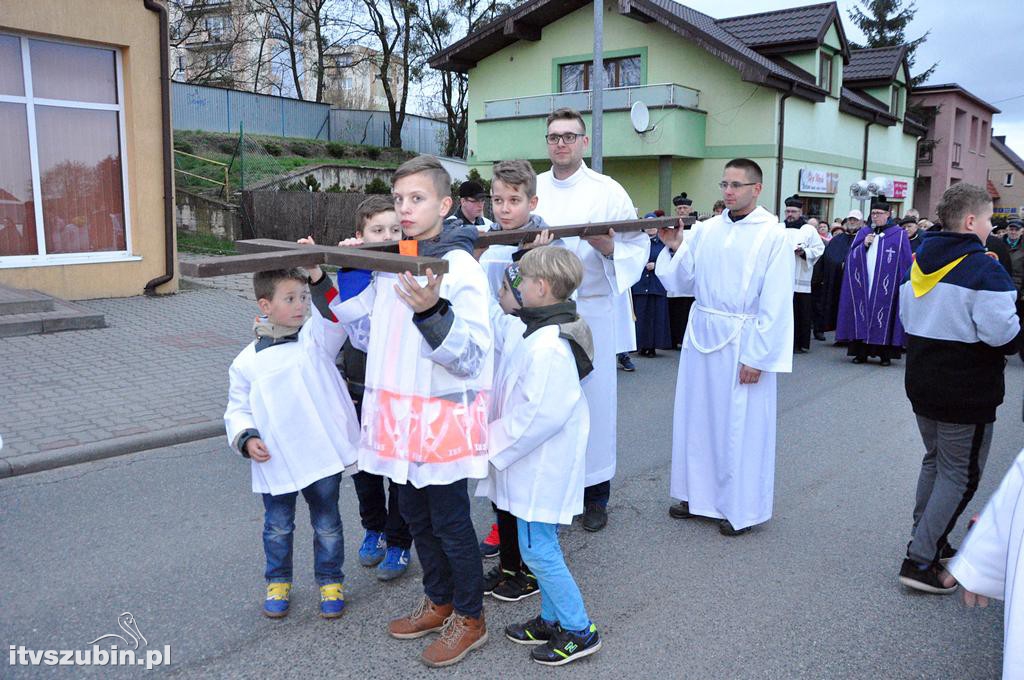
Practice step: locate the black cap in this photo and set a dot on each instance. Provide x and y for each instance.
(879, 203)
(907, 220)
(471, 189)
(794, 201)
(681, 199)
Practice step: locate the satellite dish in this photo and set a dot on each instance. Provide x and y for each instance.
(641, 117)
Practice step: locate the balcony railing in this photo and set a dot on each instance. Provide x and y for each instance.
(957, 151)
(615, 98)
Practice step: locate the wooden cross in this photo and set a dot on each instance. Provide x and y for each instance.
(263, 254)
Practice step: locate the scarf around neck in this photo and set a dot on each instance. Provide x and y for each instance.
(571, 328)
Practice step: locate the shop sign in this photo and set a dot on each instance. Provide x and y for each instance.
(817, 181)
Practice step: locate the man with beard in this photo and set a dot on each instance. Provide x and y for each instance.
(827, 279)
(807, 248)
(879, 260)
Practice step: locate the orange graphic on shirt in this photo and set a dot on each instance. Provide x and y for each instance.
(428, 429)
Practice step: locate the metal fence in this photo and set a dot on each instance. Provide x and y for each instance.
(215, 109)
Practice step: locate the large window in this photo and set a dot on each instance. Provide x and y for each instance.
(621, 72)
(825, 72)
(61, 153)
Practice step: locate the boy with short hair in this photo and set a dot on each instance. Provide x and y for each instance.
(958, 311)
(288, 411)
(539, 440)
(387, 540)
(426, 404)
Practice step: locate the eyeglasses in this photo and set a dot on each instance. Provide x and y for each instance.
(568, 137)
(734, 185)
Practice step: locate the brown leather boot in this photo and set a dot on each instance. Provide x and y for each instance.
(459, 635)
(426, 618)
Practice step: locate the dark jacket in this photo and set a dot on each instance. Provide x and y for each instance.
(649, 284)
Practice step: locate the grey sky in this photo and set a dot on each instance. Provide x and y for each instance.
(976, 45)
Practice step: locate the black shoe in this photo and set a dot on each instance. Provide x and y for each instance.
(885, 362)
(801, 350)
(819, 336)
(726, 528)
(595, 517)
(859, 360)
(536, 631)
(493, 577)
(927, 580)
(680, 510)
(946, 553)
(518, 586)
(566, 647)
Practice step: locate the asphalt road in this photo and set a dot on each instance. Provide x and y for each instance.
(173, 536)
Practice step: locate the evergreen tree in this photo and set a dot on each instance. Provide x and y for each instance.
(884, 24)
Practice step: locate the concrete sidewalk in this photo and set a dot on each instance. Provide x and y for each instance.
(156, 376)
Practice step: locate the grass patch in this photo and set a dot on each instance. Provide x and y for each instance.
(205, 244)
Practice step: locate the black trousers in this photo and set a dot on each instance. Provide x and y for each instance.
(803, 310)
(678, 315)
(508, 550)
(598, 493)
(379, 511)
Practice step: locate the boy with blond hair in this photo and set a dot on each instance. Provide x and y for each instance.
(426, 404)
(539, 440)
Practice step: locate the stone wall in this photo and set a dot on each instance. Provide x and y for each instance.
(201, 215)
(345, 176)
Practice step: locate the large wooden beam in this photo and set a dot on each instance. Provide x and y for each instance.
(492, 238)
(266, 254)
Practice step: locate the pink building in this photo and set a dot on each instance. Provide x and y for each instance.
(956, 147)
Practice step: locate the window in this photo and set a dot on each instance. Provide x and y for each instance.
(621, 72)
(343, 60)
(62, 181)
(825, 72)
(983, 141)
(1008, 180)
(347, 84)
(182, 61)
(894, 105)
(218, 27)
(973, 139)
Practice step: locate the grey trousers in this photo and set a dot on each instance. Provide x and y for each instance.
(954, 458)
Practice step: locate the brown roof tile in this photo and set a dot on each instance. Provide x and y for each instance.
(795, 25)
(878, 63)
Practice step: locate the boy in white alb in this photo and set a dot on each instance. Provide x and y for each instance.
(426, 405)
(289, 412)
(538, 441)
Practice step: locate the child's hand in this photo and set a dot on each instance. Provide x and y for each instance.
(420, 298)
(315, 273)
(257, 450)
(544, 238)
(650, 266)
(354, 241)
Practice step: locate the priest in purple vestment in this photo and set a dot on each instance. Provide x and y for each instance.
(877, 264)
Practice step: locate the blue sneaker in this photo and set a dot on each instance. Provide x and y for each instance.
(276, 604)
(332, 600)
(396, 561)
(371, 552)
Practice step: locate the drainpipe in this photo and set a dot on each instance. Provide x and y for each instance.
(165, 106)
(864, 168)
(782, 140)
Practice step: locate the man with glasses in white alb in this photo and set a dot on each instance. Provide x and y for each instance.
(572, 193)
(739, 266)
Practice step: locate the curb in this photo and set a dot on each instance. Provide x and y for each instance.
(108, 448)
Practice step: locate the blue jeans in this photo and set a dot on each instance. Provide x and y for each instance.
(446, 543)
(328, 541)
(560, 598)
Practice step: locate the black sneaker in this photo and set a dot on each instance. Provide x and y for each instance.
(927, 580)
(946, 553)
(536, 631)
(565, 647)
(516, 587)
(680, 510)
(493, 577)
(595, 517)
(726, 528)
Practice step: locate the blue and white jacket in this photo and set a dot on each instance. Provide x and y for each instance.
(958, 308)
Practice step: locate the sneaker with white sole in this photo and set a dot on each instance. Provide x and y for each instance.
(394, 564)
(927, 580)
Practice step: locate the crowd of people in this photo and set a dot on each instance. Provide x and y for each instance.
(503, 370)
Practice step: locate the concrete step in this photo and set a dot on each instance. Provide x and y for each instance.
(19, 301)
(64, 316)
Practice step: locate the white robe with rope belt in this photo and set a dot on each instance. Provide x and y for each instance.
(723, 437)
(603, 297)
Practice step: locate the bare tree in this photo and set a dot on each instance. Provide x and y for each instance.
(213, 41)
(441, 23)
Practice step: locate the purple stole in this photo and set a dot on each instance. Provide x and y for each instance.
(873, 317)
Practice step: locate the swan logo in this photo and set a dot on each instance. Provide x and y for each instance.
(118, 650)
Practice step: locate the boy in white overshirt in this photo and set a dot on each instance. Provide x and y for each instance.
(538, 441)
(289, 412)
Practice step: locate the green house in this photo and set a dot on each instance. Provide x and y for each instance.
(783, 88)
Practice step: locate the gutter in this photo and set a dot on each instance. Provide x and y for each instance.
(165, 105)
(782, 148)
(864, 168)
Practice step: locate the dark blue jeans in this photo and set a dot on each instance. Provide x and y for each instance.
(439, 520)
(328, 541)
(379, 511)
